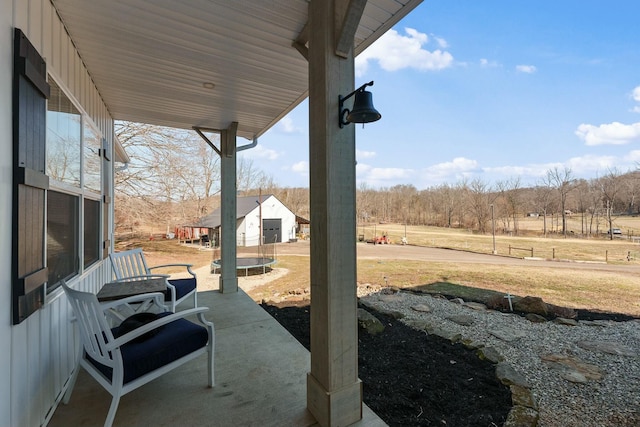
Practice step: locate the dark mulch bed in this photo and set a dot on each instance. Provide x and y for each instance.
(414, 379)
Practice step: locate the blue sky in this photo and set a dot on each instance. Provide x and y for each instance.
(491, 89)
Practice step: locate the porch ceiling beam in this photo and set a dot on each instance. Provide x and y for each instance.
(200, 131)
(348, 15)
(300, 43)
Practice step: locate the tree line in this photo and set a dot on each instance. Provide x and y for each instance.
(474, 204)
(173, 179)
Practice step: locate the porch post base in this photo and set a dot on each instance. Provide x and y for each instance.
(227, 285)
(341, 407)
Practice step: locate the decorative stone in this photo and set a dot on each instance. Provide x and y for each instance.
(369, 322)
(608, 347)
(490, 354)
(522, 396)
(395, 314)
(471, 344)
(462, 319)
(574, 377)
(421, 325)
(530, 304)
(475, 306)
(535, 318)
(571, 368)
(390, 297)
(392, 313)
(448, 335)
(566, 322)
(521, 416)
(507, 335)
(423, 308)
(457, 301)
(509, 376)
(596, 323)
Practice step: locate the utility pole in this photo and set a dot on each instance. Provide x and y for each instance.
(493, 230)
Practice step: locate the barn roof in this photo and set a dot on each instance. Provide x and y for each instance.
(244, 206)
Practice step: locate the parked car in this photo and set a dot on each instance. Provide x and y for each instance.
(615, 231)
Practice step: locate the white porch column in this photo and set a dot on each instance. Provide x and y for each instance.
(334, 392)
(228, 202)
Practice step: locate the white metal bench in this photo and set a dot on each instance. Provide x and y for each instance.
(131, 264)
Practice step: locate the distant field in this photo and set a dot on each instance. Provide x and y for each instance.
(592, 248)
(608, 291)
(630, 225)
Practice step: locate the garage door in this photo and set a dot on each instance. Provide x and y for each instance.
(272, 230)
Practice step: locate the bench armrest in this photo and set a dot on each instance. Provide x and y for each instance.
(187, 266)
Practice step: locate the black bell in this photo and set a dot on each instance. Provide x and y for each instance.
(363, 110)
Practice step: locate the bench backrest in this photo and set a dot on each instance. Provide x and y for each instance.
(129, 263)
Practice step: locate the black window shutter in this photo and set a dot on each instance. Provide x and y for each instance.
(30, 182)
(106, 198)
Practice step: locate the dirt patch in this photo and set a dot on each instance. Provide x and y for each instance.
(414, 379)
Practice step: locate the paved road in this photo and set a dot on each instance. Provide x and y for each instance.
(420, 253)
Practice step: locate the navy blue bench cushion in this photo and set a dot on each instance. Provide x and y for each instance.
(183, 287)
(173, 341)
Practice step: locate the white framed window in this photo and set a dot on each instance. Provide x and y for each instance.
(75, 196)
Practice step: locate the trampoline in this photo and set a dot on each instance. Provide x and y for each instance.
(246, 264)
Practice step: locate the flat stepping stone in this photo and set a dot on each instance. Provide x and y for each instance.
(446, 334)
(572, 369)
(608, 347)
(509, 376)
(422, 308)
(490, 354)
(369, 322)
(535, 318)
(462, 319)
(566, 322)
(507, 335)
(476, 306)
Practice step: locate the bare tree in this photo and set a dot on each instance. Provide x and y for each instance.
(510, 193)
(479, 201)
(175, 172)
(610, 186)
(563, 181)
(250, 178)
(632, 189)
(544, 201)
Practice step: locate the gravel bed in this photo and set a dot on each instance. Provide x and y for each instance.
(613, 400)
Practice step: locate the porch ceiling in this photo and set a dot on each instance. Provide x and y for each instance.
(150, 59)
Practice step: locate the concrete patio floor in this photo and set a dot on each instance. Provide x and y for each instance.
(260, 374)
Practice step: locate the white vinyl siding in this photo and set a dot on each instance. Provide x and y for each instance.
(43, 348)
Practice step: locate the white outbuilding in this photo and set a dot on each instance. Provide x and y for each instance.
(256, 216)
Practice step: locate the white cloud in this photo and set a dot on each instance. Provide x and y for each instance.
(441, 42)
(394, 52)
(360, 154)
(632, 157)
(485, 63)
(286, 125)
(260, 152)
(635, 94)
(615, 133)
(529, 69)
(529, 170)
(301, 167)
(588, 164)
(581, 166)
(456, 169)
(383, 177)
